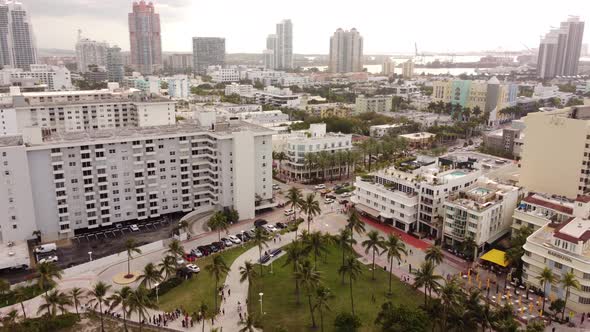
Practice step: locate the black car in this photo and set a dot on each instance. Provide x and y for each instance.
(213, 247)
(275, 252)
(281, 225)
(247, 236)
(265, 258)
(219, 245)
(260, 223)
(205, 250)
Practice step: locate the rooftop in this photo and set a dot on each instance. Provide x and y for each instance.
(574, 230)
(553, 203)
(481, 196)
(420, 135)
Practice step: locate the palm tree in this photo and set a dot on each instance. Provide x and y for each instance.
(218, 222)
(248, 324)
(311, 207)
(121, 297)
(310, 161)
(314, 243)
(150, 276)
(217, 269)
(203, 309)
(352, 267)
(309, 278)
(183, 225)
(247, 272)
(373, 243)
(20, 295)
(294, 199)
(62, 300)
(77, 294)
(175, 249)
(545, 277)
(394, 248)
(48, 272)
(434, 254)
(260, 239)
(168, 266)
(345, 241)
(450, 296)
(139, 302)
(10, 318)
(469, 248)
(427, 278)
(568, 281)
(132, 248)
(322, 296)
(51, 302)
(295, 254)
(355, 224)
(4, 286)
(98, 297)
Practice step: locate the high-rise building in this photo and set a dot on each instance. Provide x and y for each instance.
(144, 37)
(388, 67)
(208, 51)
(17, 42)
(90, 53)
(560, 49)
(115, 68)
(346, 51)
(280, 46)
(408, 69)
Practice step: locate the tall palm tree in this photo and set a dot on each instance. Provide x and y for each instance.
(352, 267)
(309, 278)
(139, 302)
(97, 296)
(355, 224)
(345, 241)
(545, 277)
(20, 296)
(450, 295)
(248, 324)
(314, 243)
(247, 272)
(568, 281)
(121, 297)
(175, 249)
(150, 276)
(260, 240)
(77, 295)
(310, 161)
(203, 309)
(53, 301)
(183, 225)
(322, 297)
(394, 247)
(434, 254)
(10, 319)
(218, 222)
(48, 272)
(294, 199)
(373, 243)
(167, 266)
(218, 268)
(295, 255)
(132, 248)
(311, 207)
(427, 278)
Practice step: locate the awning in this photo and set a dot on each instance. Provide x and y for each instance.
(495, 256)
(367, 210)
(386, 215)
(497, 236)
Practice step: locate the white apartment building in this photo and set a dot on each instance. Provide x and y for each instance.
(224, 75)
(294, 79)
(365, 104)
(71, 111)
(261, 118)
(266, 76)
(379, 131)
(244, 90)
(277, 97)
(65, 182)
(562, 246)
(482, 212)
(411, 198)
(408, 69)
(556, 152)
(537, 210)
(179, 87)
(55, 77)
(150, 85)
(312, 141)
(90, 52)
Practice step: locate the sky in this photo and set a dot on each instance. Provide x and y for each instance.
(387, 26)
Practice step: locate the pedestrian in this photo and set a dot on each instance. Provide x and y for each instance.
(410, 268)
(223, 312)
(228, 292)
(239, 313)
(274, 240)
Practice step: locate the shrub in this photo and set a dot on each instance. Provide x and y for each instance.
(44, 324)
(31, 291)
(165, 286)
(346, 322)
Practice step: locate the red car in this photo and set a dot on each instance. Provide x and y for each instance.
(190, 257)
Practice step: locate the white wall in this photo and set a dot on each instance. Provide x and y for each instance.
(244, 182)
(156, 114)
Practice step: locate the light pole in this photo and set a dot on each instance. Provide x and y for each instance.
(90, 255)
(157, 297)
(261, 302)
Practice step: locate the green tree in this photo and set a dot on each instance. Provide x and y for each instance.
(121, 298)
(309, 278)
(150, 276)
(131, 247)
(218, 222)
(427, 278)
(546, 277)
(140, 302)
(394, 248)
(353, 269)
(294, 199)
(176, 250)
(167, 266)
(355, 224)
(568, 281)
(434, 254)
(314, 243)
(311, 207)
(20, 296)
(204, 310)
(9, 319)
(77, 295)
(373, 244)
(347, 322)
(345, 242)
(295, 255)
(218, 268)
(322, 297)
(450, 295)
(401, 318)
(98, 297)
(260, 240)
(183, 226)
(535, 326)
(247, 325)
(48, 272)
(4, 287)
(247, 272)
(54, 300)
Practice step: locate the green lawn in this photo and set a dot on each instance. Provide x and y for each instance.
(281, 310)
(191, 293)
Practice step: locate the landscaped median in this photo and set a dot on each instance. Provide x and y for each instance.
(281, 312)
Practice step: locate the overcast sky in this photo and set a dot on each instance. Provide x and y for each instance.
(387, 26)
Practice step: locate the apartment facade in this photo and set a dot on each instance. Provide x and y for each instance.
(90, 53)
(408, 69)
(277, 97)
(560, 49)
(346, 51)
(179, 86)
(208, 51)
(279, 47)
(365, 104)
(145, 38)
(537, 210)
(55, 77)
(17, 42)
(114, 65)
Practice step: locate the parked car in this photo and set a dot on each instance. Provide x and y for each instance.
(213, 247)
(275, 252)
(260, 222)
(180, 261)
(227, 242)
(134, 228)
(320, 186)
(251, 233)
(265, 258)
(52, 258)
(205, 250)
(234, 239)
(45, 248)
(197, 253)
(328, 201)
(219, 244)
(193, 268)
(281, 225)
(276, 187)
(189, 257)
(330, 196)
(241, 237)
(289, 212)
(270, 228)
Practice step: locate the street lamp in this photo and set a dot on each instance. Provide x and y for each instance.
(260, 302)
(90, 255)
(157, 297)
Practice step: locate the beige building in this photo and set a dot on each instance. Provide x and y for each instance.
(388, 67)
(365, 104)
(408, 69)
(419, 140)
(555, 152)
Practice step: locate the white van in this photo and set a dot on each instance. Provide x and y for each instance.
(45, 248)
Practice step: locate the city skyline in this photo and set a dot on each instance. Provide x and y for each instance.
(106, 20)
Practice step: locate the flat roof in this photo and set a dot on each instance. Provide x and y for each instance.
(420, 135)
(536, 199)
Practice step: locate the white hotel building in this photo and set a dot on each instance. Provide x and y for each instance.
(55, 77)
(562, 246)
(65, 182)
